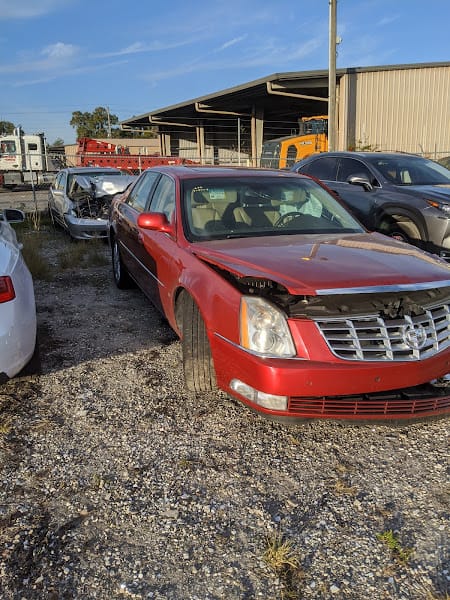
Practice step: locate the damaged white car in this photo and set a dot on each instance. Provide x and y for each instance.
(80, 197)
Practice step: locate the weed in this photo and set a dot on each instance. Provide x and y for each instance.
(280, 555)
(32, 252)
(5, 427)
(342, 488)
(400, 553)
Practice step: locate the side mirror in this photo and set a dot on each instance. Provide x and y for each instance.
(361, 180)
(155, 222)
(13, 215)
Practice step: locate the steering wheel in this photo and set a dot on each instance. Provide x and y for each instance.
(287, 217)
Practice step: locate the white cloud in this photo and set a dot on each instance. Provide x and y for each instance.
(60, 51)
(230, 43)
(388, 20)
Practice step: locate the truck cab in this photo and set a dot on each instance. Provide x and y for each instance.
(282, 153)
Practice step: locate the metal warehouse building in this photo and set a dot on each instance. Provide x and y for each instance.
(402, 108)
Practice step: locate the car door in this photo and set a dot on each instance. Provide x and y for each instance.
(127, 233)
(57, 196)
(160, 249)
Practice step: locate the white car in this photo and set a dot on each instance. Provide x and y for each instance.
(17, 304)
(79, 199)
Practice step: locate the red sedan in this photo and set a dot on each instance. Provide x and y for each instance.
(281, 298)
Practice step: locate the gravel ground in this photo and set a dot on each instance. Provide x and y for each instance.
(116, 483)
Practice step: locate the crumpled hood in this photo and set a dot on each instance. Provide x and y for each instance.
(98, 187)
(320, 264)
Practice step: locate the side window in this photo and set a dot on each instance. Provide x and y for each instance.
(61, 181)
(351, 166)
(322, 168)
(140, 194)
(163, 200)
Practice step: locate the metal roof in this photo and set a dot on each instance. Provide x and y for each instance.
(278, 95)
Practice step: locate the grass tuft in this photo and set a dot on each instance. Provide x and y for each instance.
(400, 553)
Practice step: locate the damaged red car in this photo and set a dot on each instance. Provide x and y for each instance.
(282, 299)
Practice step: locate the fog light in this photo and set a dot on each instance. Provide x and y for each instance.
(270, 401)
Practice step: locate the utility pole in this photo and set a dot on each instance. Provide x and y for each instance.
(109, 122)
(332, 77)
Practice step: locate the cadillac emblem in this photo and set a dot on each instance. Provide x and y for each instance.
(414, 336)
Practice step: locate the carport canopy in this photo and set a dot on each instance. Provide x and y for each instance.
(269, 108)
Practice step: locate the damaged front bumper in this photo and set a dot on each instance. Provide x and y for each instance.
(86, 229)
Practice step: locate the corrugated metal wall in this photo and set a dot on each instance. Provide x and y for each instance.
(404, 110)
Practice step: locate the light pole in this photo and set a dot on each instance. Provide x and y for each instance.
(332, 77)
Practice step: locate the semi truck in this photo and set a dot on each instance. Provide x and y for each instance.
(24, 160)
(312, 137)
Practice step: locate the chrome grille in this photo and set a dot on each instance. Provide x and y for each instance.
(374, 338)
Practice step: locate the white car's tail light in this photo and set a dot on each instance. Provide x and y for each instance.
(7, 292)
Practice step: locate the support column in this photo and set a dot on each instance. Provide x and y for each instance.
(200, 131)
(164, 143)
(257, 130)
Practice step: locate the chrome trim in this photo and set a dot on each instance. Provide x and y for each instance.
(405, 287)
(372, 338)
(134, 257)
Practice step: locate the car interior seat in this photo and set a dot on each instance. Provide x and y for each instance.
(204, 216)
(257, 212)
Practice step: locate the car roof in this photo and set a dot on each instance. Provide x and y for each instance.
(79, 170)
(201, 172)
(361, 154)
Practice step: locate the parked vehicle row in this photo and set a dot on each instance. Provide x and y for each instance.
(280, 296)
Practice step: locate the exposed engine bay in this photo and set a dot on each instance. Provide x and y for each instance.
(92, 196)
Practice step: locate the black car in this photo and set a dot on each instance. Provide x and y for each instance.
(401, 195)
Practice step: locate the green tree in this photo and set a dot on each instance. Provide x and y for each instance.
(58, 142)
(6, 127)
(97, 124)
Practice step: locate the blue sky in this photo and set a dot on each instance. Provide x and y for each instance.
(59, 56)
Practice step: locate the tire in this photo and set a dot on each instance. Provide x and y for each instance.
(120, 274)
(198, 365)
(402, 229)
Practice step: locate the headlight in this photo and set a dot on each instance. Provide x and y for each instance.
(264, 329)
(445, 208)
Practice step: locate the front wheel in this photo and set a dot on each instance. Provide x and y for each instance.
(402, 229)
(198, 365)
(121, 277)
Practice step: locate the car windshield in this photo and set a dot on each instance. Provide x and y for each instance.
(221, 208)
(412, 171)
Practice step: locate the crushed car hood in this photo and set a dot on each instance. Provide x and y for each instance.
(321, 264)
(100, 186)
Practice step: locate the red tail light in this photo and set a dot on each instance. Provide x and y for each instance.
(7, 292)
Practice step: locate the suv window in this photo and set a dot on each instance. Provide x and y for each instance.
(323, 168)
(163, 200)
(350, 166)
(139, 196)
